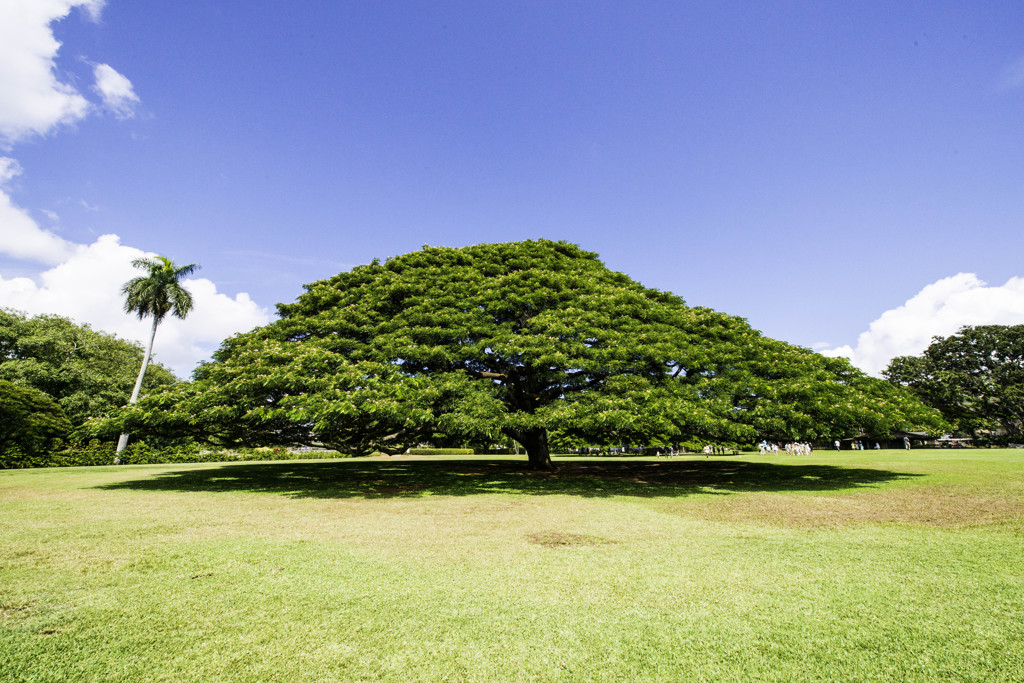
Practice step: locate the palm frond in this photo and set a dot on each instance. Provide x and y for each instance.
(159, 291)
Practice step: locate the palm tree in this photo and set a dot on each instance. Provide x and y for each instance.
(155, 294)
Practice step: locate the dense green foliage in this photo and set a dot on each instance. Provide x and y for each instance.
(95, 452)
(514, 340)
(30, 422)
(88, 373)
(60, 454)
(975, 378)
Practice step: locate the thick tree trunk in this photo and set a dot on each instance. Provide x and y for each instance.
(536, 443)
(123, 441)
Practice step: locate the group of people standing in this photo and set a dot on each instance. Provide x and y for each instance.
(856, 445)
(766, 448)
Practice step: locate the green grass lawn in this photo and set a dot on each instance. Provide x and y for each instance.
(880, 566)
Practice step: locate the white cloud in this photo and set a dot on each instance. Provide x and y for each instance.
(83, 281)
(33, 100)
(20, 236)
(9, 168)
(116, 91)
(940, 309)
(87, 288)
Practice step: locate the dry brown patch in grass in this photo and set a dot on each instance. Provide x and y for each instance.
(936, 506)
(562, 539)
(8, 611)
(22, 494)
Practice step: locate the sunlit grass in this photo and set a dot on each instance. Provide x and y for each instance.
(874, 566)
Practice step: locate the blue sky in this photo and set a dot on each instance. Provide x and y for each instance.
(840, 174)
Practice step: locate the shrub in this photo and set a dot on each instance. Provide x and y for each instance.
(78, 454)
(61, 455)
(11, 457)
(95, 452)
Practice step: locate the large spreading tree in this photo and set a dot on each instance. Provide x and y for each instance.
(975, 378)
(514, 340)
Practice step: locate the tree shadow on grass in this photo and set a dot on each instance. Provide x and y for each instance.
(589, 478)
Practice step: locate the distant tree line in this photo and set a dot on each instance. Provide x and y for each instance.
(57, 375)
(975, 378)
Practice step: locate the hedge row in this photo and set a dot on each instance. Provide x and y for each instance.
(140, 453)
(74, 455)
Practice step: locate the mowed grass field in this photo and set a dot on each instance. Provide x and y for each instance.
(873, 566)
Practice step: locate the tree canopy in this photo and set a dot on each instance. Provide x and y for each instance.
(514, 340)
(88, 373)
(159, 291)
(30, 421)
(975, 378)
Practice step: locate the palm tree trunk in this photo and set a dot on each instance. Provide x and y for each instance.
(122, 442)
